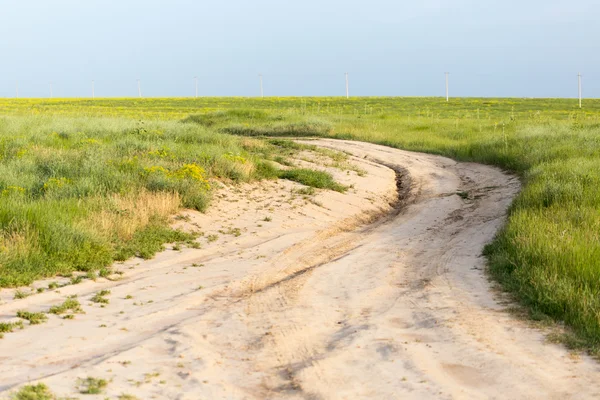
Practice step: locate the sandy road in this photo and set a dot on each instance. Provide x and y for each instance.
(321, 305)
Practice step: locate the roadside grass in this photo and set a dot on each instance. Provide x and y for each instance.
(79, 193)
(312, 178)
(249, 122)
(91, 385)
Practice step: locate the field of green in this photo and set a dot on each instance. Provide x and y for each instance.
(72, 171)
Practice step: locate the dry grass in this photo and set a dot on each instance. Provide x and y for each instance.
(125, 215)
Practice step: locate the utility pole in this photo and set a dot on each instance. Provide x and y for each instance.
(447, 90)
(17, 89)
(50, 89)
(347, 87)
(93, 90)
(579, 85)
(260, 77)
(196, 82)
(139, 89)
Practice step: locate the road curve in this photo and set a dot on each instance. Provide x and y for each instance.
(399, 308)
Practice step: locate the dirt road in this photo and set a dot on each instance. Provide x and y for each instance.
(345, 296)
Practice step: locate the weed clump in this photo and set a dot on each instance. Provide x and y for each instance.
(69, 305)
(312, 178)
(100, 297)
(91, 385)
(34, 318)
(7, 327)
(34, 392)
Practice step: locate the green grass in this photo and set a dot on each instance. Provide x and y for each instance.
(91, 385)
(34, 318)
(7, 327)
(79, 193)
(312, 178)
(548, 255)
(100, 297)
(71, 304)
(34, 392)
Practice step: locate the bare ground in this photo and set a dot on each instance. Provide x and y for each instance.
(332, 296)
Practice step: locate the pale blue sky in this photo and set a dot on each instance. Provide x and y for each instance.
(530, 48)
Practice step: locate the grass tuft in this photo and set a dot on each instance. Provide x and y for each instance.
(91, 385)
(34, 392)
(312, 178)
(34, 318)
(100, 297)
(69, 305)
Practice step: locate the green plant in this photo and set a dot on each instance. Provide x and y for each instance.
(34, 392)
(7, 327)
(91, 385)
(125, 396)
(100, 297)
(312, 178)
(71, 304)
(21, 295)
(33, 317)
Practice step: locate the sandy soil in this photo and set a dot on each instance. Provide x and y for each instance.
(331, 296)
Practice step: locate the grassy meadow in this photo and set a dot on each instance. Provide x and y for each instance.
(78, 193)
(76, 171)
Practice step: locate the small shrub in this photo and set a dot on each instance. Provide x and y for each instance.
(91, 385)
(21, 295)
(312, 178)
(100, 297)
(34, 392)
(33, 317)
(125, 396)
(7, 327)
(77, 279)
(70, 304)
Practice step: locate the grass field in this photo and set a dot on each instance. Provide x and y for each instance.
(78, 193)
(80, 165)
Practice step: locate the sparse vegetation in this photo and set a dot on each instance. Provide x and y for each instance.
(100, 297)
(77, 279)
(7, 327)
(125, 396)
(34, 392)
(34, 318)
(91, 385)
(21, 295)
(312, 178)
(69, 305)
